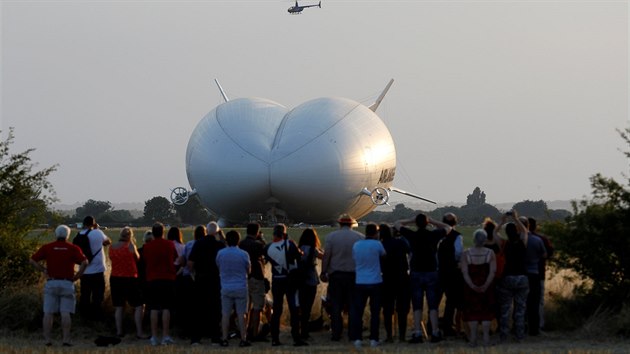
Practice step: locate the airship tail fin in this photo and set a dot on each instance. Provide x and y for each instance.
(225, 98)
(375, 105)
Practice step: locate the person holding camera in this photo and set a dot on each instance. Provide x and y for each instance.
(514, 287)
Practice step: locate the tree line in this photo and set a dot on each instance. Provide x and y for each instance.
(474, 212)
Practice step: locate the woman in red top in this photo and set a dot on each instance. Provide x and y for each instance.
(123, 280)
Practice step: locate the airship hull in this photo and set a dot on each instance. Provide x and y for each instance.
(309, 164)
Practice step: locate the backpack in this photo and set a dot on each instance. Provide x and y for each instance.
(83, 242)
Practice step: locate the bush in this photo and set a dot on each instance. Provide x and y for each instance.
(21, 307)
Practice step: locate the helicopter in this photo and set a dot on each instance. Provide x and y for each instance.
(298, 9)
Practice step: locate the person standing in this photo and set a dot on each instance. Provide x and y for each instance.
(234, 267)
(367, 255)
(338, 269)
(450, 250)
(310, 245)
(142, 268)
(396, 285)
(59, 295)
(159, 257)
(207, 286)
(123, 281)
(514, 286)
(254, 245)
(283, 254)
(536, 253)
(542, 269)
(93, 279)
(186, 283)
(478, 267)
(424, 270)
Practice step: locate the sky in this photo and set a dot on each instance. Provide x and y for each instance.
(520, 98)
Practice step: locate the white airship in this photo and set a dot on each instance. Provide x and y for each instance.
(252, 158)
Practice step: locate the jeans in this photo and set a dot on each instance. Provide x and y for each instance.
(341, 292)
(92, 295)
(306, 295)
(533, 304)
(280, 288)
(421, 283)
(206, 315)
(363, 292)
(396, 295)
(513, 288)
(452, 285)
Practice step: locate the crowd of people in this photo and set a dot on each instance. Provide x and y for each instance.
(214, 286)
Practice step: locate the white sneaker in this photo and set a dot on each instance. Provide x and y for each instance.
(374, 343)
(167, 340)
(357, 343)
(154, 341)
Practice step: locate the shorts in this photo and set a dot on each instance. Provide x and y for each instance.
(421, 283)
(233, 298)
(256, 289)
(160, 294)
(59, 296)
(125, 289)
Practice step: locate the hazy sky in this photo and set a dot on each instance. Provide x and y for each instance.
(520, 98)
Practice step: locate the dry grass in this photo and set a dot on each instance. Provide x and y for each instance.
(556, 343)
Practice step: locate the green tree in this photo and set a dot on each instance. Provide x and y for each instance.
(116, 216)
(192, 212)
(595, 242)
(158, 209)
(535, 209)
(96, 208)
(477, 198)
(25, 193)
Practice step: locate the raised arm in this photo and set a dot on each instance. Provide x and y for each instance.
(400, 223)
(522, 230)
(440, 225)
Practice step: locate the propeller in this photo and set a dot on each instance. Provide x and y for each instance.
(180, 195)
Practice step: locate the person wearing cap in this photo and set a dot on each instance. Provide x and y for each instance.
(424, 270)
(207, 286)
(93, 279)
(338, 269)
(59, 295)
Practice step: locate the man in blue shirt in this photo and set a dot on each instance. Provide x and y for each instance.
(234, 266)
(367, 259)
(536, 252)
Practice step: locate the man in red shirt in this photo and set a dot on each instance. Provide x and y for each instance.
(60, 257)
(159, 259)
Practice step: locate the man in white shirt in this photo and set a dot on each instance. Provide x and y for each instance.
(93, 279)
